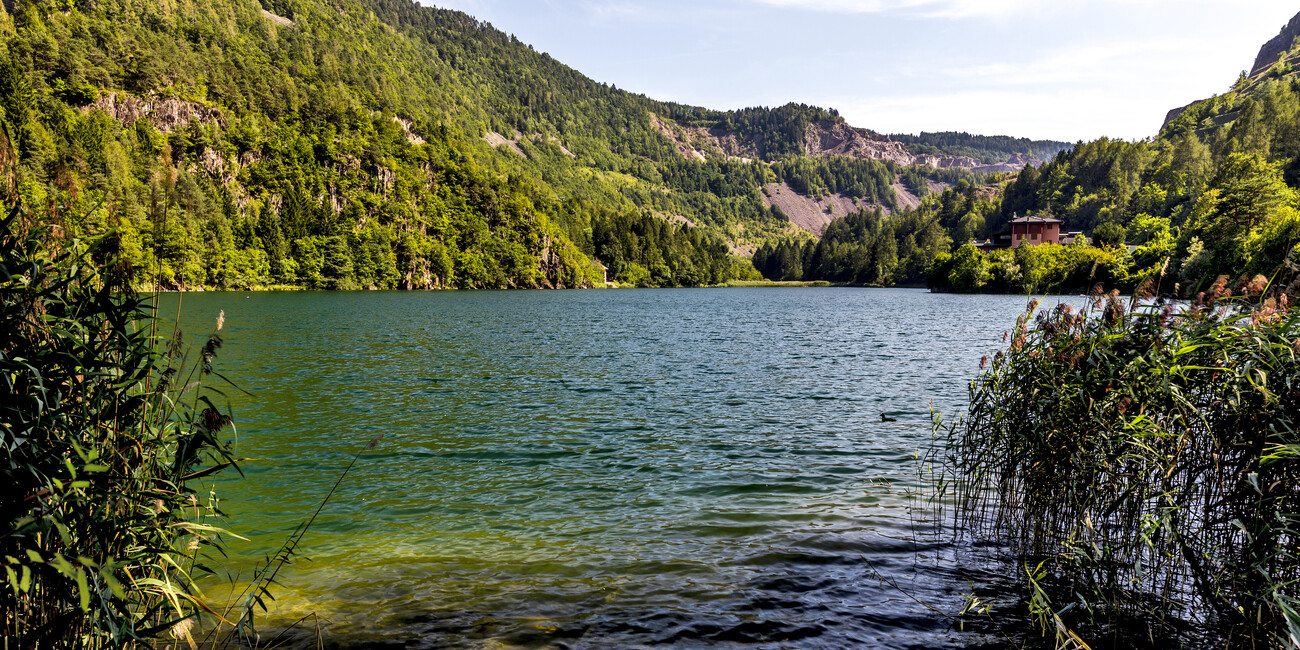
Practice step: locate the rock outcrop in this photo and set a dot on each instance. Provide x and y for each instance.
(166, 115)
(496, 140)
(812, 214)
(1277, 46)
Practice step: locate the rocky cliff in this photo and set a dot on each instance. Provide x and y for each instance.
(1276, 47)
(1279, 48)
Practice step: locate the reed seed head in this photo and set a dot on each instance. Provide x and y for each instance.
(1145, 290)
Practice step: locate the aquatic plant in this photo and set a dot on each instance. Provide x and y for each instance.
(1145, 457)
(107, 431)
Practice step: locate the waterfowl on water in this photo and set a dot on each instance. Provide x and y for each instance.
(886, 418)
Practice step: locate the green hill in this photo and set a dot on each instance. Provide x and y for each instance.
(379, 143)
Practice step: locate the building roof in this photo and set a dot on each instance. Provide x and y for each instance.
(1029, 219)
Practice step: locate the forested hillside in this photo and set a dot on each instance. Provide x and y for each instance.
(345, 143)
(337, 145)
(987, 149)
(1215, 194)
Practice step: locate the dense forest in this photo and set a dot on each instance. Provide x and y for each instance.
(866, 248)
(341, 145)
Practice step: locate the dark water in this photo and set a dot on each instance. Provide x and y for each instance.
(603, 468)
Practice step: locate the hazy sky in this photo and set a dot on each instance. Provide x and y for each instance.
(1058, 69)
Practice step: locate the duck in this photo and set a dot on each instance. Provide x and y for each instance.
(886, 418)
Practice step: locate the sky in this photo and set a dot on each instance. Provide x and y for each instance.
(1044, 69)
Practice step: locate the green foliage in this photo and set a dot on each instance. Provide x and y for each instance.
(970, 269)
(1245, 200)
(1109, 235)
(343, 150)
(645, 251)
(105, 440)
(1221, 175)
(865, 248)
(1147, 460)
(780, 130)
(867, 180)
(1077, 268)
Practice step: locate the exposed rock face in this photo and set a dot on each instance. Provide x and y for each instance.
(496, 140)
(406, 129)
(1173, 115)
(1277, 46)
(812, 214)
(166, 115)
(840, 139)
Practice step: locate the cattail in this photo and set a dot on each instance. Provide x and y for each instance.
(182, 630)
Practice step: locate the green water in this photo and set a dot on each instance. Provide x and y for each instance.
(601, 468)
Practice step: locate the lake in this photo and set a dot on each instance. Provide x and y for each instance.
(623, 468)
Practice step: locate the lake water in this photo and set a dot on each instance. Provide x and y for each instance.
(602, 468)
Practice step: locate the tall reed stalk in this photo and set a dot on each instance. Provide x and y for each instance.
(1148, 456)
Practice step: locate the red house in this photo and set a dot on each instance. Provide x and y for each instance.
(1032, 231)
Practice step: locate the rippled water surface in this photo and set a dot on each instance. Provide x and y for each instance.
(602, 468)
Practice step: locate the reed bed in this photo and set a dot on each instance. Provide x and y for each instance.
(1140, 462)
(108, 432)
